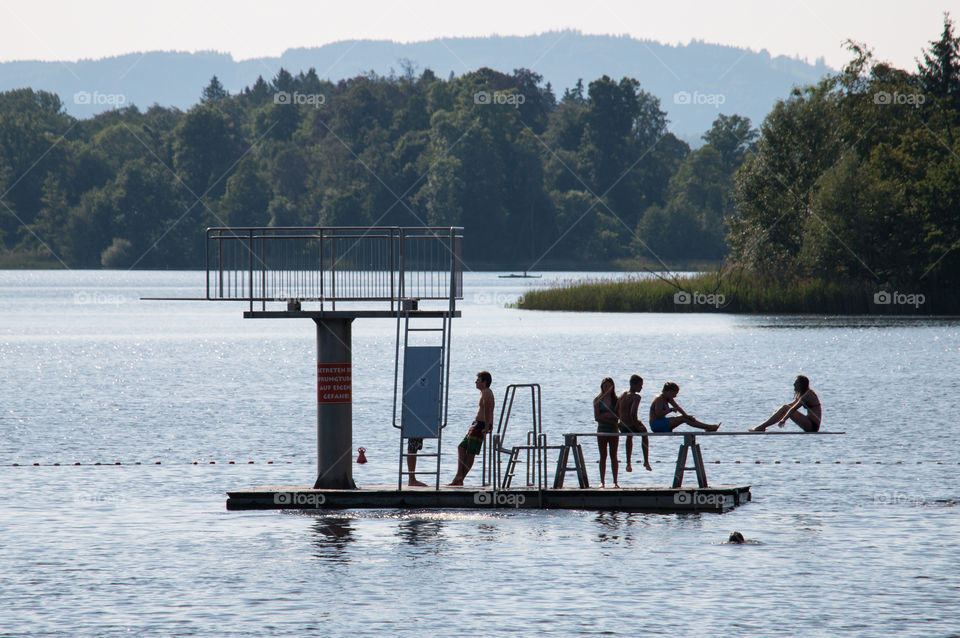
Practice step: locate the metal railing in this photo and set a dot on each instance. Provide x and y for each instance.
(331, 264)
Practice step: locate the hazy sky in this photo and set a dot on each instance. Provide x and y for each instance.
(897, 30)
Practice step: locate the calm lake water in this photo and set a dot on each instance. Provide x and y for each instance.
(857, 534)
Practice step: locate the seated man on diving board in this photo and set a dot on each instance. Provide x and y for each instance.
(665, 403)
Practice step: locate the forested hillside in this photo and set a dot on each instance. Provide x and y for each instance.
(579, 179)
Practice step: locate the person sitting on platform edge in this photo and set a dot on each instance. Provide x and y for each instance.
(803, 397)
(472, 443)
(605, 414)
(627, 406)
(665, 403)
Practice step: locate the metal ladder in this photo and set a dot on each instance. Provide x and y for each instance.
(535, 449)
(422, 385)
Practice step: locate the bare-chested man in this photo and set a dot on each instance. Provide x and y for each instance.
(665, 403)
(629, 423)
(470, 445)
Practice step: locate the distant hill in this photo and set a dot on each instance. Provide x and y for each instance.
(694, 82)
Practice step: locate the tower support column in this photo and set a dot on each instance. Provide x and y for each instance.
(334, 404)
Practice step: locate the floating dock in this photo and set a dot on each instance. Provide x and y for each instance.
(715, 499)
(415, 276)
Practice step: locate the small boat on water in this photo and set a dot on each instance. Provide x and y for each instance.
(523, 276)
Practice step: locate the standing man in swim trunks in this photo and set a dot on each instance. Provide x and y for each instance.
(629, 423)
(470, 445)
(665, 403)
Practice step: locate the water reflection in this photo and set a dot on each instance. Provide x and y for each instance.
(621, 526)
(332, 538)
(421, 533)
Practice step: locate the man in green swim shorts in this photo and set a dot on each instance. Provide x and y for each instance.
(470, 445)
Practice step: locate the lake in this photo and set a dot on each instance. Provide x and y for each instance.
(856, 534)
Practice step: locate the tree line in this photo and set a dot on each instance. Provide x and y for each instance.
(853, 179)
(857, 178)
(538, 180)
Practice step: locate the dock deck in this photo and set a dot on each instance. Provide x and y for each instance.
(715, 499)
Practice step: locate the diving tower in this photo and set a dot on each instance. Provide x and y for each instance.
(333, 276)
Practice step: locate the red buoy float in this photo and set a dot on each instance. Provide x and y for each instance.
(360, 457)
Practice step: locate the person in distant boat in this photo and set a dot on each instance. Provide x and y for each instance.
(472, 443)
(627, 406)
(803, 397)
(665, 403)
(605, 414)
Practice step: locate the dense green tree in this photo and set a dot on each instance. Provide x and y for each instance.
(858, 178)
(34, 134)
(214, 92)
(773, 188)
(207, 148)
(247, 197)
(691, 225)
(733, 137)
(940, 69)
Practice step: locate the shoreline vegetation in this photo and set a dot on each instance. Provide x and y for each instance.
(738, 292)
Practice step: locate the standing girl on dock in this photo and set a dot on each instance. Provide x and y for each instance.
(605, 413)
(803, 397)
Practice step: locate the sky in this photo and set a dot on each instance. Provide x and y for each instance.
(896, 30)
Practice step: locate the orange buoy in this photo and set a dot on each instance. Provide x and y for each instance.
(361, 458)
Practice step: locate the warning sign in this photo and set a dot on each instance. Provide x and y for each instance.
(334, 383)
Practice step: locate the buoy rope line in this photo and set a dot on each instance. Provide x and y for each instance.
(670, 462)
(77, 463)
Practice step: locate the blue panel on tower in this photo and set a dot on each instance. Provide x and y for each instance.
(422, 391)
